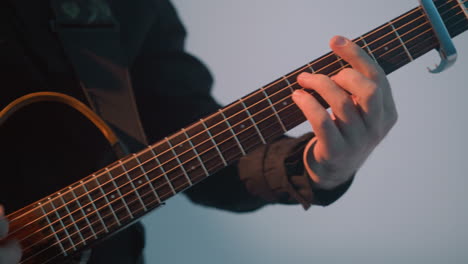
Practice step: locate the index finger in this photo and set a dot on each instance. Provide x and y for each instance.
(356, 57)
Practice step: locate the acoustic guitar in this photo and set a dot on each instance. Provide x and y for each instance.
(80, 215)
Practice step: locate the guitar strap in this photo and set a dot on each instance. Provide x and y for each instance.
(91, 39)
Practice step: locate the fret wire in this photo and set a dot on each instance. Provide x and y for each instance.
(286, 98)
(214, 142)
(72, 218)
(148, 192)
(178, 161)
(122, 207)
(339, 60)
(83, 212)
(220, 132)
(253, 121)
(463, 7)
(118, 192)
(61, 222)
(196, 152)
(433, 40)
(232, 132)
(107, 200)
(310, 67)
(132, 185)
(416, 9)
(274, 110)
(95, 208)
(431, 48)
(285, 80)
(53, 230)
(368, 48)
(401, 41)
(288, 83)
(147, 178)
(163, 170)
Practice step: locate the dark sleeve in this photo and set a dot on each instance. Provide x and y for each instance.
(173, 89)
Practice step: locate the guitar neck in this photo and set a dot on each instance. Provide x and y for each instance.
(103, 203)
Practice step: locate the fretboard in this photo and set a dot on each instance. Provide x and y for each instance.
(112, 198)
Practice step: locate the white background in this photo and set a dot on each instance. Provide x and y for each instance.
(408, 203)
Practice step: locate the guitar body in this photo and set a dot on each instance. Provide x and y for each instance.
(46, 147)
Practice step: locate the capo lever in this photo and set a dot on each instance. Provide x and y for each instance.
(447, 50)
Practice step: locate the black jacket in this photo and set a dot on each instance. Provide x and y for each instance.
(171, 88)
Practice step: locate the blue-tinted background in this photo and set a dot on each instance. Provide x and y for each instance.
(408, 203)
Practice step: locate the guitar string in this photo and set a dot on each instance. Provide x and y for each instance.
(458, 32)
(149, 193)
(188, 149)
(304, 68)
(122, 208)
(102, 231)
(182, 175)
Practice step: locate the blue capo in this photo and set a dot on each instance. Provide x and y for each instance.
(447, 50)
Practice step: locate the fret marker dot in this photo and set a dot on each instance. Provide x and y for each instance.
(242, 126)
(386, 48)
(112, 196)
(285, 103)
(140, 182)
(88, 210)
(193, 167)
(181, 145)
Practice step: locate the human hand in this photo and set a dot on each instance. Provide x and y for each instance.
(363, 113)
(10, 250)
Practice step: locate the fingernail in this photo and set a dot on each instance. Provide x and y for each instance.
(340, 41)
(298, 93)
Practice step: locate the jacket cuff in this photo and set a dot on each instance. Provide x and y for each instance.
(282, 178)
(303, 184)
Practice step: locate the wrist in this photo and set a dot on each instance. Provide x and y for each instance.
(322, 176)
